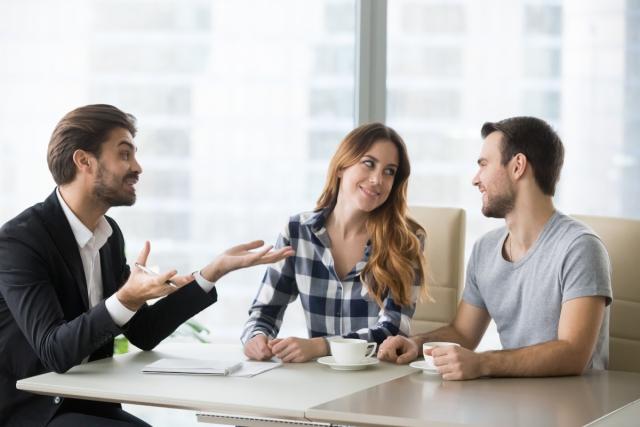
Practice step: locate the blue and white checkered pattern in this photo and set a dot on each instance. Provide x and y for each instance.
(332, 307)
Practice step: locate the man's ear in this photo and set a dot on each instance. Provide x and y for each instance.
(519, 165)
(83, 161)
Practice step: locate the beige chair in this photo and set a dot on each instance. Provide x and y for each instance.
(445, 259)
(622, 239)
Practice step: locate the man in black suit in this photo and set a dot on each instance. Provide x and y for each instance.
(65, 287)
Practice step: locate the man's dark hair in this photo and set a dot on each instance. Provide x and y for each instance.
(539, 143)
(84, 128)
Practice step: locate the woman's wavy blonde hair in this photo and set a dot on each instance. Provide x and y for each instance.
(397, 259)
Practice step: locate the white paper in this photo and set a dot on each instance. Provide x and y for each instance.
(251, 368)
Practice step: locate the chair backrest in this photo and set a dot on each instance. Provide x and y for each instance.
(444, 250)
(622, 239)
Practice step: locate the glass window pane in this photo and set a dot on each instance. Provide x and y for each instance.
(240, 104)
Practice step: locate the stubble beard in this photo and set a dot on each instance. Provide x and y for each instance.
(499, 206)
(108, 193)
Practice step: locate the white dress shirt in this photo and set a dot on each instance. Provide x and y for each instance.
(89, 244)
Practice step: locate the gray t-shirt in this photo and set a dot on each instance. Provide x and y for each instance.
(525, 298)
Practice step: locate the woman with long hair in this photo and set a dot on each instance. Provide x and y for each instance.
(358, 265)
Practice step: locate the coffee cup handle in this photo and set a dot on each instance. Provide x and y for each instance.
(373, 346)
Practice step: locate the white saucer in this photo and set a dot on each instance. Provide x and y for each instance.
(331, 362)
(427, 367)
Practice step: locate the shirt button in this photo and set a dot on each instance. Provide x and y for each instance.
(56, 400)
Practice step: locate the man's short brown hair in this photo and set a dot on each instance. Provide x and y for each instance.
(84, 128)
(537, 140)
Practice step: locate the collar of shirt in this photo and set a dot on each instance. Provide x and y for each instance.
(85, 237)
(316, 223)
(317, 219)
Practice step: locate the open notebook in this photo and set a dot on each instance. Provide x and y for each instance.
(192, 367)
(247, 368)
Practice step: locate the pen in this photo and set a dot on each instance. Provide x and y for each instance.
(233, 368)
(153, 273)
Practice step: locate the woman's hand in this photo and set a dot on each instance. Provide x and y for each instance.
(295, 349)
(257, 348)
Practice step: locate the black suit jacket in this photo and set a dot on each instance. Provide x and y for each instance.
(45, 320)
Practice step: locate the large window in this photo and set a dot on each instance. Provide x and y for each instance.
(453, 65)
(240, 104)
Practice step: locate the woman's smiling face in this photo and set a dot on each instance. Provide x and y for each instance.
(367, 184)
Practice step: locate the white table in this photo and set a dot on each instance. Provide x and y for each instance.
(283, 393)
(385, 394)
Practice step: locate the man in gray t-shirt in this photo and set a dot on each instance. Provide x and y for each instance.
(525, 298)
(544, 278)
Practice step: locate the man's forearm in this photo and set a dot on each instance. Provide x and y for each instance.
(446, 333)
(552, 358)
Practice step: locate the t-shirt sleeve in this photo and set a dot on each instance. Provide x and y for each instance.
(586, 270)
(471, 292)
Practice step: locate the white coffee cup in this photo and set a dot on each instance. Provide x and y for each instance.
(351, 350)
(428, 346)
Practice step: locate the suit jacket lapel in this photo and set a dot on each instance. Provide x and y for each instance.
(66, 243)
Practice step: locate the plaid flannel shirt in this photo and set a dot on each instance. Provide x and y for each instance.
(332, 307)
